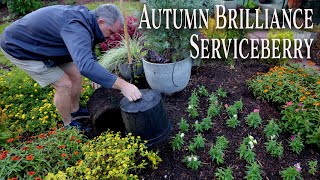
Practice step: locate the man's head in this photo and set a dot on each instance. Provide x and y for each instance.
(109, 18)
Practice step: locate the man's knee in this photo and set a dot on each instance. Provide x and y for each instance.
(63, 85)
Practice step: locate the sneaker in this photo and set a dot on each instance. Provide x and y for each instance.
(77, 125)
(81, 113)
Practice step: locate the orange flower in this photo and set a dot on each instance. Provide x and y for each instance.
(15, 158)
(38, 178)
(53, 129)
(29, 141)
(25, 148)
(18, 137)
(33, 137)
(14, 178)
(62, 146)
(302, 98)
(318, 82)
(42, 136)
(29, 157)
(76, 152)
(3, 156)
(279, 83)
(31, 173)
(72, 138)
(307, 93)
(60, 162)
(265, 91)
(52, 132)
(316, 104)
(39, 147)
(10, 140)
(310, 63)
(63, 155)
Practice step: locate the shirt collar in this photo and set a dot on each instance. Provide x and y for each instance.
(98, 35)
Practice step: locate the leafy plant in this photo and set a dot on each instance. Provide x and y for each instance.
(297, 90)
(232, 110)
(48, 152)
(111, 156)
(272, 129)
(224, 174)
(290, 173)
(177, 141)
(217, 152)
(119, 55)
(183, 125)
(221, 92)
(312, 167)
(198, 142)
(253, 171)
(274, 148)
(250, 4)
(254, 120)
(23, 7)
(206, 123)
(238, 105)
(170, 44)
(192, 162)
(203, 91)
(233, 121)
(193, 105)
(246, 149)
(198, 127)
(296, 144)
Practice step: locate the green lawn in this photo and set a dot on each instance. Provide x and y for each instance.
(131, 8)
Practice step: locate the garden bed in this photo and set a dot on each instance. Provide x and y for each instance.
(212, 76)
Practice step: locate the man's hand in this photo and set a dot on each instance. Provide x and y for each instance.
(130, 91)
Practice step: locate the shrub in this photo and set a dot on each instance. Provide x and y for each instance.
(48, 152)
(110, 156)
(279, 34)
(298, 91)
(24, 7)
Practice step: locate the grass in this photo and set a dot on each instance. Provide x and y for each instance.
(131, 8)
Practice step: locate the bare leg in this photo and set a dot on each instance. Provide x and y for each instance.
(76, 80)
(62, 98)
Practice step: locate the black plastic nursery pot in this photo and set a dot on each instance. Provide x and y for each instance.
(146, 117)
(105, 113)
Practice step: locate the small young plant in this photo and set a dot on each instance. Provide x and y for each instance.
(313, 167)
(183, 125)
(203, 91)
(213, 99)
(232, 110)
(193, 105)
(296, 144)
(253, 171)
(224, 174)
(272, 129)
(207, 123)
(274, 148)
(233, 121)
(214, 110)
(254, 120)
(245, 149)
(198, 142)
(221, 92)
(198, 127)
(192, 162)
(290, 173)
(238, 105)
(178, 141)
(216, 151)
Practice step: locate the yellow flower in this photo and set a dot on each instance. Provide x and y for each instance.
(265, 91)
(35, 85)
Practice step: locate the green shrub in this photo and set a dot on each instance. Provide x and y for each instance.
(279, 34)
(110, 156)
(24, 7)
(298, 91)
(48, 152)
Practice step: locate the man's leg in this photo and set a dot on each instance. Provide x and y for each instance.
(62, 98)
(76, 84)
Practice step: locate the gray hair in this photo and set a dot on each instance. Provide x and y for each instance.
(110, 13)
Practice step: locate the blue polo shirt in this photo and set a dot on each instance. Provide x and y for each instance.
(60, 34)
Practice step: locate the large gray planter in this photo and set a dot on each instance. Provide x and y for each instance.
(229, 4)
(168, 78)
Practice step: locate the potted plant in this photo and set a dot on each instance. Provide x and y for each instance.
(116, 59)
(167, 64)
(252, 5)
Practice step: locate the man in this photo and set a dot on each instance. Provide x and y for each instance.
(54, 45)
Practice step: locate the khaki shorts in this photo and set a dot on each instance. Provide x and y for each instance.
(37, 70)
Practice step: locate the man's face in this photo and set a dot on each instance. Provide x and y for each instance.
(108, 30)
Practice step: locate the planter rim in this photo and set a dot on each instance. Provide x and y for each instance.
(163, 64)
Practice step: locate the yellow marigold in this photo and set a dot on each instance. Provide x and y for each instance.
(316, 104)
(302, 98)
(279, 83)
